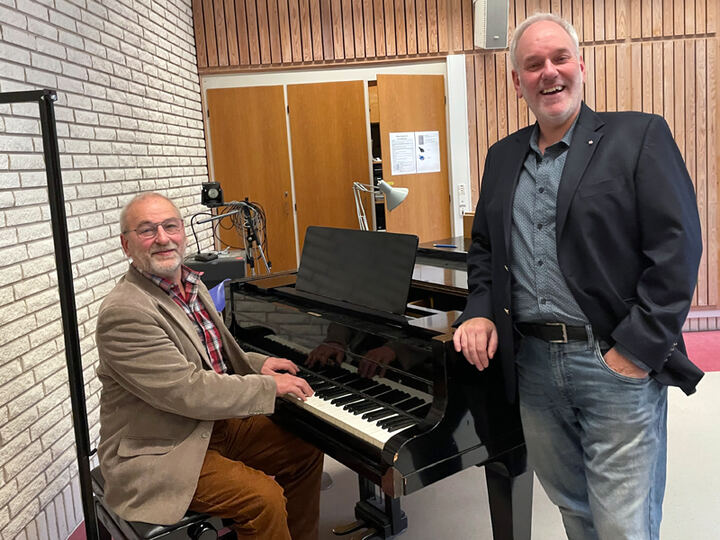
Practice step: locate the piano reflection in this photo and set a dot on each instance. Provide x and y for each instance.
(393, 401)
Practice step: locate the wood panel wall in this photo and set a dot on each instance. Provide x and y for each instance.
(258, 34)
(657, 56)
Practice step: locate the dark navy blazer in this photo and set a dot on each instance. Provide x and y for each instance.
(628, 239)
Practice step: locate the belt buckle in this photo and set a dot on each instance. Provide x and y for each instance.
(563, 326)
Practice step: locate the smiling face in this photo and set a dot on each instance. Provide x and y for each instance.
(549, 75)
(162, 254)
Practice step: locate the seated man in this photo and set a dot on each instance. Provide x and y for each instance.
(182, 407)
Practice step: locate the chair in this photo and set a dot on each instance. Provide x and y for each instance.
(193, 526)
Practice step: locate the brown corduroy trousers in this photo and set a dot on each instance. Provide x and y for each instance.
(236, 480)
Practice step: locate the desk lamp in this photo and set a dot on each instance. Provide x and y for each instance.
(393, 197)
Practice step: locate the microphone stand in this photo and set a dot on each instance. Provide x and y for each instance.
(251, 239)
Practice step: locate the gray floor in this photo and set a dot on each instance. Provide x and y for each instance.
(457, 508)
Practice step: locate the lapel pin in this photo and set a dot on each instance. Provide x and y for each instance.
(590, 141)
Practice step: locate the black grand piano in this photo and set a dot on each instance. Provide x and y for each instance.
(393, 401)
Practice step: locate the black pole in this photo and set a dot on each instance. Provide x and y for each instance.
(45, 99)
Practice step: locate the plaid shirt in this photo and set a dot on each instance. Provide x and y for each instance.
(195, 310)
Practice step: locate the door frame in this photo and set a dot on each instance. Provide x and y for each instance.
(453, 70)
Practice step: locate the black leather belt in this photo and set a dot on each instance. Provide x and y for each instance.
(553, 332)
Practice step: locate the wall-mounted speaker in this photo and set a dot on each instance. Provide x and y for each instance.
(490, 19)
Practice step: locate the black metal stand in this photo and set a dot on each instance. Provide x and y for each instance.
(251, 237)
(45, 100)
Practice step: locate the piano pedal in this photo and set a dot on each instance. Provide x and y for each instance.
(342, 530)
(367, 534)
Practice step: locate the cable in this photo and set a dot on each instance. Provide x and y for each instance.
(250, 224)
(249, 221)
(192, 227)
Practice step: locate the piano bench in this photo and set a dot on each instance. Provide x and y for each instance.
(192, 526)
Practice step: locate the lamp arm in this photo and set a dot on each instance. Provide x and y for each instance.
(359, 207)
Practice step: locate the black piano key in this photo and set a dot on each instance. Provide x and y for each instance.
(344, 400)
(377, 415)
(395, 396)
(327, 389)
(377, 390)
(324, 386)
(400, 423)
(409, 404)
(385, 422)
(333, 393)
(362, 406)
(422, 411)
(345, 378)
(329, 371)
(362, 384)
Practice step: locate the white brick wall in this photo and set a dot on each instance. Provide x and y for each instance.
(129, 119)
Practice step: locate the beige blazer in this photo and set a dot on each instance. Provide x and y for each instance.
(158, 402)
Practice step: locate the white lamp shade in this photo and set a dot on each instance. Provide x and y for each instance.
(393, 195)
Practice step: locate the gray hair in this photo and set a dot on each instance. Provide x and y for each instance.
(140, 198)
(537, 17)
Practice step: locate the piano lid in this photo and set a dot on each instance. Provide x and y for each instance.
(364, 268)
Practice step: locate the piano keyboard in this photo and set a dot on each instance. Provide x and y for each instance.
(373, 410)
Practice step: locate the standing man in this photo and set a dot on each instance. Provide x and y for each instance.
(182, 407)
(585, 249)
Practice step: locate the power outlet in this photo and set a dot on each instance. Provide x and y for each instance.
(462, 200)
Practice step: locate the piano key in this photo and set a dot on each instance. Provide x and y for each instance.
(325, 385)
(360, 396)
(422, 411)
(362, 406)
(400, 424)
(409, 404)
(362, 384)
(353, 424)
(378, 415)
(350, 398)
(378, 390)
(333, 393)
(385, 423)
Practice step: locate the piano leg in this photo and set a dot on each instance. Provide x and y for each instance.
(510, 497)
(378, 514)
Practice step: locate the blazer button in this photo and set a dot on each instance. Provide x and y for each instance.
(507, 311)
(506, 268)
(205, 435)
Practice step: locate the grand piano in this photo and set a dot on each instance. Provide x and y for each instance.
(371, 329)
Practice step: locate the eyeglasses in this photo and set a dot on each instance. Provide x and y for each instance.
(149, 230)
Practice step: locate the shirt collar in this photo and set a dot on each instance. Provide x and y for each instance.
(187, 276)
(561, 144)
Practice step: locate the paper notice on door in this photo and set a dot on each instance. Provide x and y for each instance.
(427, 151)
(402, 153)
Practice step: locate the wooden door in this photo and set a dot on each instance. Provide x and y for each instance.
(250, 157)
(410, 103)
(328, 130)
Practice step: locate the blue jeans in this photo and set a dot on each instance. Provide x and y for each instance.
(596, 439)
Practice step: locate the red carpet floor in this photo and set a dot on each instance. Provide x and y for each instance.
(704, 349)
